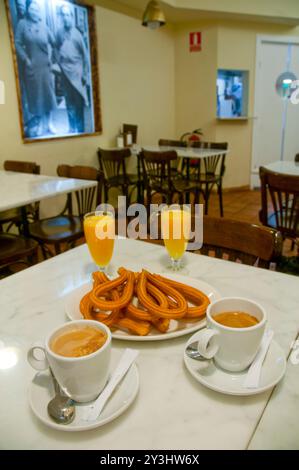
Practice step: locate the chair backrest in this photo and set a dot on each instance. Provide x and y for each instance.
(242, 242)
(284, 196)
(87, 199)
(156, 168)
(22, 167)
(172, 143)
(216, 163)
(133, 129)
(297, 158)
(112, 162)
(237, 241)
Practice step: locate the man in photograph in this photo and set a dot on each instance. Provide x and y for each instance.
(21, 9)
(73, 60)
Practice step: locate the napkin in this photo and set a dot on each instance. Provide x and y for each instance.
(252, 379)
(92, 412)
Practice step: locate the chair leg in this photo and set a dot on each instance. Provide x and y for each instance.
(148, 200)
(220, 199)
(44, 251)
(169, 197)
(57, 248)
(106, 194)
(206, 199)
(33, 259)
(196, 196)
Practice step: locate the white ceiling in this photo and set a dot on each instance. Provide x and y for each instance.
(182, 15)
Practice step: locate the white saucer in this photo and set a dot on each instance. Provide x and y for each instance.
(41, 391)
(231, 383)
(176, 328)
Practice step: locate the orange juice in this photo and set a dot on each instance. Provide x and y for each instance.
(176, 227)
(100, 247)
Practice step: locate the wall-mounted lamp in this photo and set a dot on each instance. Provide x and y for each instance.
(153, 16)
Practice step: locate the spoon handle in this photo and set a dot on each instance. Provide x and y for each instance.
(55, 383)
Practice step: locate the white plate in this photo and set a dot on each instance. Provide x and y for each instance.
(41, 391)
(176, 328)
(231, 383)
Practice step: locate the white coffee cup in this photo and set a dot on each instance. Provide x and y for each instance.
(81, 378)
(232, 349)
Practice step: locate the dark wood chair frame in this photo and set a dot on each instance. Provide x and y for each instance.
(284, 196)
(238, 241)
(113, 165)
(158, 177)
(82, 199)
(213, 172)
(25, 252)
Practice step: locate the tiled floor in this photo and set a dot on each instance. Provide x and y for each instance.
(240, 205)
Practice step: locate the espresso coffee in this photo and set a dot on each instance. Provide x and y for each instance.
(77, 342)
(236, 319)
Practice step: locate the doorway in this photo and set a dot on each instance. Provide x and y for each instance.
(276, 122)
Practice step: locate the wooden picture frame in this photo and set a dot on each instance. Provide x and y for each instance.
(58, 90)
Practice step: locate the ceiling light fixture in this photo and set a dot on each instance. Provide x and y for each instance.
(153, 16)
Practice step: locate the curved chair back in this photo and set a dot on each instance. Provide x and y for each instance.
(22, 167)
(86, 199)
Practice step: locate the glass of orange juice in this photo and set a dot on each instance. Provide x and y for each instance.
(176, 228)
(99, 230)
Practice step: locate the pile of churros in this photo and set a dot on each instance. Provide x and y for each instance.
(138, 302)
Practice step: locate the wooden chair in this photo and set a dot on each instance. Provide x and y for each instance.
(13, 216)
(237, 241)
(241, 242)
(16, 250)
(113, 166)
(213, 172)
(67, 227)
(284, 196)
(176, 167)
(22, 167)
(157, 176)
(133, 129)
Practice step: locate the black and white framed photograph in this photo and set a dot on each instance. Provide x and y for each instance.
(55, 56)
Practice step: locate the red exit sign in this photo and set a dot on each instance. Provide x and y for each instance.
(195, 42)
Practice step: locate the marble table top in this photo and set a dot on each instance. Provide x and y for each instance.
(19, 189)
(172, 410)
(187, 152)
(284, 167)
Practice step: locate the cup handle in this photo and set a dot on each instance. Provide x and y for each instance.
(34, 359)
(206, 347)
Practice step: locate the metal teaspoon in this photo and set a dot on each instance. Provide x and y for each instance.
(60, 408)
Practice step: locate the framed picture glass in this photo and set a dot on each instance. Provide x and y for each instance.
(232, 94)
(54, 47)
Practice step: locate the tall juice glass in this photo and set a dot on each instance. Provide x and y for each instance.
(99, 230)
(176, 228)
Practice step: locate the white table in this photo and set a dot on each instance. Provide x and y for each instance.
(182, 152)
(284, 167)
(188, 152)
(172, 411)
(20, 189)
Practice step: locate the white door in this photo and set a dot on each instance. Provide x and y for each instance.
(276, 128)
